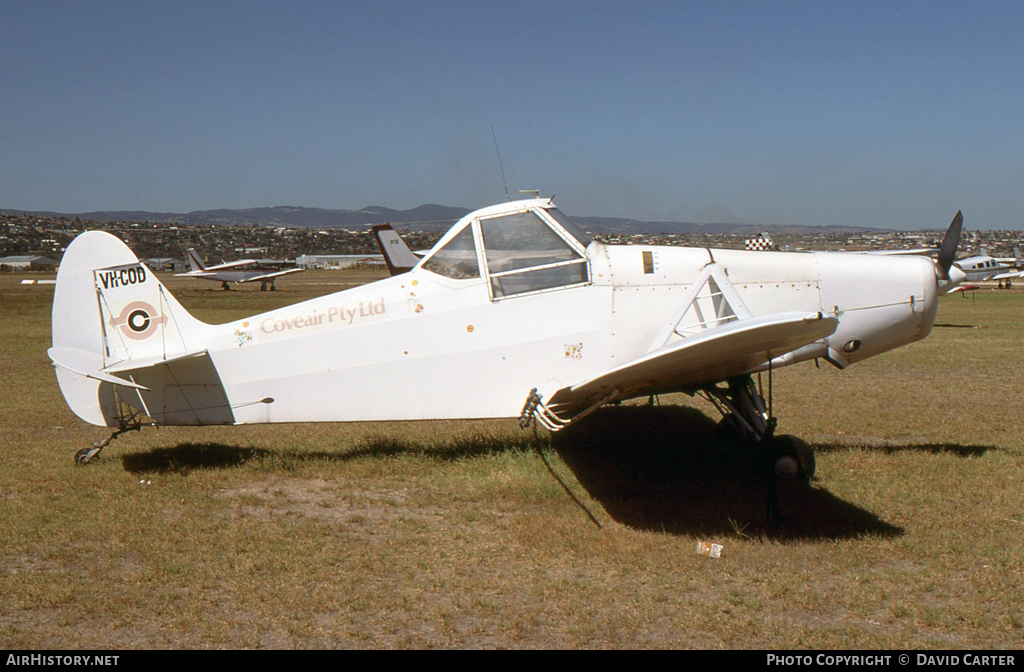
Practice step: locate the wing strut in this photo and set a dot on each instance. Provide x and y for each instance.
(720, 304)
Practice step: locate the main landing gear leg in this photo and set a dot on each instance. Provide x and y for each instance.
(785, 457)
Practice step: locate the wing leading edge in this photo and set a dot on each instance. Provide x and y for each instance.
(718, 354)
(276, 274)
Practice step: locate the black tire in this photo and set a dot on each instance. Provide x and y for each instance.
(789, 446)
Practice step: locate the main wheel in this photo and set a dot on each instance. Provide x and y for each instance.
(792, 457)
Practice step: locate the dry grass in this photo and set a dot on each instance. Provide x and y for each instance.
(458, 535)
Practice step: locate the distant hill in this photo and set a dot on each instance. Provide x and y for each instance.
(421, 218)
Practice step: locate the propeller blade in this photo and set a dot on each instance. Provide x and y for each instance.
(947, 252)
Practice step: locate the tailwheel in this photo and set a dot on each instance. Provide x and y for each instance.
(128, 420)
(85, 455)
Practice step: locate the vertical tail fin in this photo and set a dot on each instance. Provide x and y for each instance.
(194, 260)
(111, 313)
(397, 254)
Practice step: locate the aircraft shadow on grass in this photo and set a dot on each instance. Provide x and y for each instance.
(185, 458)
(672, 469)
(661, 468)
(890, 448)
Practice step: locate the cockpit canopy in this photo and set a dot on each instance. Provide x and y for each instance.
(520, 248)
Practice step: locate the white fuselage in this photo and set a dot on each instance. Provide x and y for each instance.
(421, 346)
(487, 317)
(981, 268)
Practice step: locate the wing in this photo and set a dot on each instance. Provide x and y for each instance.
(240, 264)
(718, 354)
(924, 251)
(275, 274)
(963, 288)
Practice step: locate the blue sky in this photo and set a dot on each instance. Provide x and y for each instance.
(891, 114)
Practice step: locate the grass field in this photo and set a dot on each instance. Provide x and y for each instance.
(467, 535)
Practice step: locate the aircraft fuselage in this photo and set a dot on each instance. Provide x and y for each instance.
(484, 319)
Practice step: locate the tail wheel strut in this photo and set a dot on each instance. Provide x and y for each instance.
(128, 419)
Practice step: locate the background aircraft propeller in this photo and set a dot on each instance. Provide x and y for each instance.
(947, 253)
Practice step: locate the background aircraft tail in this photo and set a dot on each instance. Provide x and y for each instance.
(194, 261)
(397, 255)
(113, 318)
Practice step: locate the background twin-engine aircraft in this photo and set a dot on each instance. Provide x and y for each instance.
(984, 267)
(516, 311)
(243, 270)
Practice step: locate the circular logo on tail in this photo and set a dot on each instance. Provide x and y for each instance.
(138, 320)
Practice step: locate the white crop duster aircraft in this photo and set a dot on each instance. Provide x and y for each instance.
(515, 312)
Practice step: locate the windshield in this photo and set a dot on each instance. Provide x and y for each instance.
(522, 240)
(571, 227)
(457, 259)
(524, 254)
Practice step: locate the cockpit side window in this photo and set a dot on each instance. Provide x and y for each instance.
(524, 254)
(457, 259)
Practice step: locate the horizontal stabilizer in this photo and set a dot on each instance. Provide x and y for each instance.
(86, 364)
(145, 363)
(718, 354)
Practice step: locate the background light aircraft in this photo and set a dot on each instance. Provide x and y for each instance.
(244, 270)
(516, 311)
(984, 267)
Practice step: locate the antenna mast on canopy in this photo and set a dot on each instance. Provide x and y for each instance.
(499, 163)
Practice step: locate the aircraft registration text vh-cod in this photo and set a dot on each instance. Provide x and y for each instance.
(516, 311)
